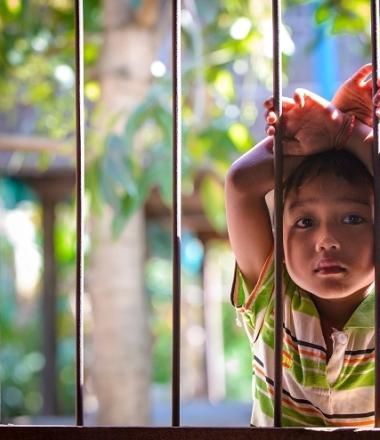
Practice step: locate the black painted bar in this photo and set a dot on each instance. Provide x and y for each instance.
(278, 206)
(376, 171)
(79, 119)
(176, 211)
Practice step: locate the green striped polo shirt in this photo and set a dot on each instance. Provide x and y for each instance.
(337, 393)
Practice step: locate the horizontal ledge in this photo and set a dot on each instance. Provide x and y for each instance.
(181, 433)
(35, 144)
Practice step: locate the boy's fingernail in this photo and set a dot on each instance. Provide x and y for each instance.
(300, 98)
(271, 118)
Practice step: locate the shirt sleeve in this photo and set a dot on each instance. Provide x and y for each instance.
(253, 305)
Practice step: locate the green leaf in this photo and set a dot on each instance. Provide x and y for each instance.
(165, 121)
(91, 52)
(139, 115)
(224, 84)
(65, 244)
(118, 224)
(214, 142)
(212, 197)
(158, 173)
(107, 187)
(128, 206)
(240, 136)
(322, 14)
(92, 185)
(348, 23)
(118, 165)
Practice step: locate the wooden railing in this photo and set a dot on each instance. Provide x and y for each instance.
(180, 433)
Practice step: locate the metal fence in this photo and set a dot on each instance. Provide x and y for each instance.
(177, 431)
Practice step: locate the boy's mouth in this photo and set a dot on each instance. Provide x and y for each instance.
(329, 267)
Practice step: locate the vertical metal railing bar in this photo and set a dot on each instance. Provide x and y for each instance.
(278, 203)
(376, 172)
(79, 119)
(176, 214)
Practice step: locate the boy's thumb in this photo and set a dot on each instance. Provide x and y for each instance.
(299, 97)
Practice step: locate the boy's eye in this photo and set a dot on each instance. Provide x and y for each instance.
(353, 219)
(304, 223)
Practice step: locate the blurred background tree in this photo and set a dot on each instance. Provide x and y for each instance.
(226, 57)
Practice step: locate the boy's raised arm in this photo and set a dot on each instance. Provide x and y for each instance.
(249, 179)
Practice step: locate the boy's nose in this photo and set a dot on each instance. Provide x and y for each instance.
(327, 242)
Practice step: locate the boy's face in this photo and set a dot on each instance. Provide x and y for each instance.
(328, 237)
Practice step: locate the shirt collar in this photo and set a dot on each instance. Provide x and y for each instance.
(363, 316)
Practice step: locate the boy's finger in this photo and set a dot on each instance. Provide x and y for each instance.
(361, 74)
(377, 112)
(269, 147)
(287, 103)
(376, 99)
(301, 96)
(366, 85)
(271, 118)
(269, 103)
(270, 130)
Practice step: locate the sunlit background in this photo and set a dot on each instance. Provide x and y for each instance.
(226, 72)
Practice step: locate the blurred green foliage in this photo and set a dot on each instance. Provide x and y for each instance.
(217, 111)
(19, 367)
(21, 358)
(223, 52)
(37, 63)
(65, 253)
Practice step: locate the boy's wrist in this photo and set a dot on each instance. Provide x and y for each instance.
(345, 131)
(360, 143)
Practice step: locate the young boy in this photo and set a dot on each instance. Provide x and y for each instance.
(328, 329)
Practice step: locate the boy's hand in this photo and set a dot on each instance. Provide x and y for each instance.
(376, 100)
(355, 95)
(310, 123)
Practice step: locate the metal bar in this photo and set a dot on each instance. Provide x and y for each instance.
(79, 118)
(376, 172)
(278, 204)
(176, 213)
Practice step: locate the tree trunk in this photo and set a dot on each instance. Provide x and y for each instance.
(121, 360)
(121, 340)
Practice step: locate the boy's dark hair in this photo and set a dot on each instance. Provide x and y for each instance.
(339, 163)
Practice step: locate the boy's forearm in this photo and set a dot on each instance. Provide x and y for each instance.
(254, 171)
(248, 181)
(360, 143)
